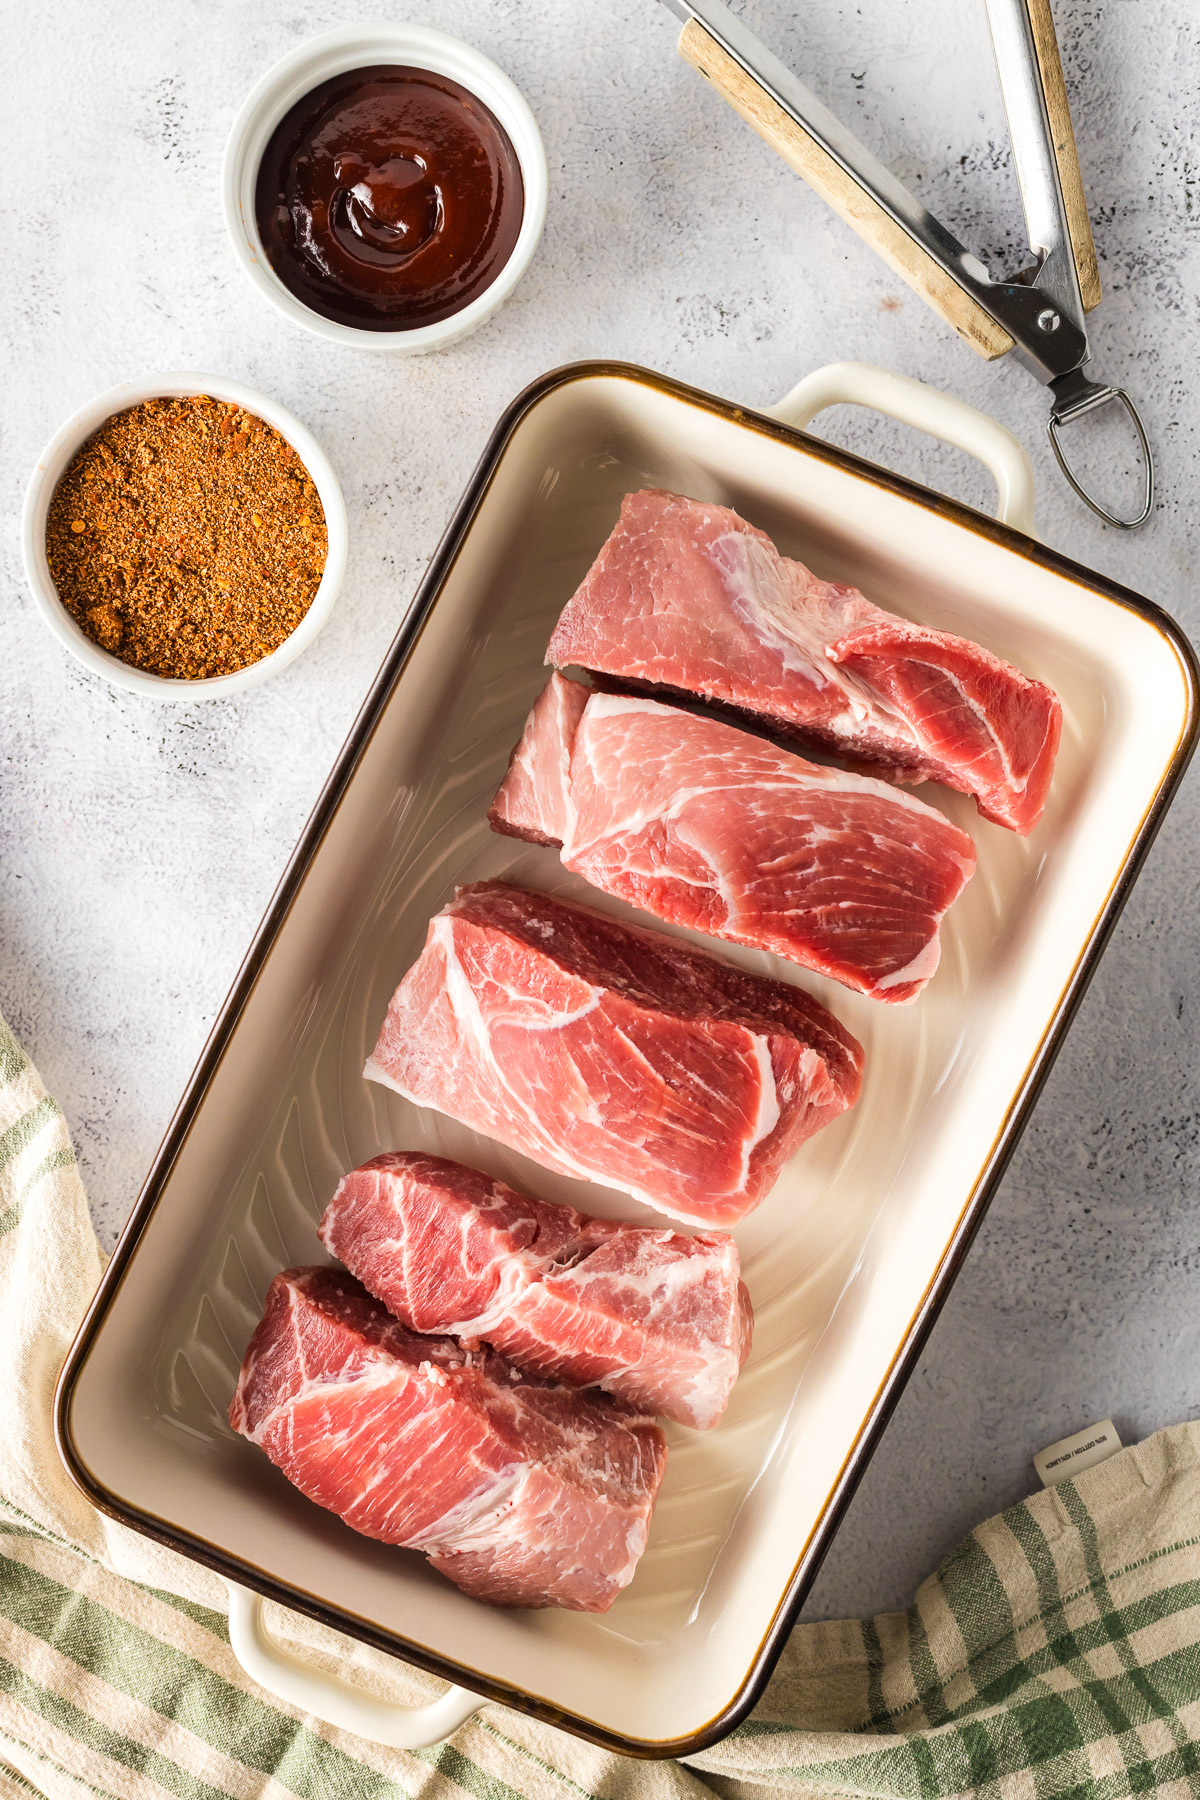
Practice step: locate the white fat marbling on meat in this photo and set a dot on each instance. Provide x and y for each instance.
(922, 966)
(659, 808)
(762, 590)
(522, 1495)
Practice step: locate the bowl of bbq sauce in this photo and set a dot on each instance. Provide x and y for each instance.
(385, 186)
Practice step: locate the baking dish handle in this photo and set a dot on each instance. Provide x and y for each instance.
(926, 408)
(335, 1701)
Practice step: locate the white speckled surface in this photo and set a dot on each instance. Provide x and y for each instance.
(141, 843)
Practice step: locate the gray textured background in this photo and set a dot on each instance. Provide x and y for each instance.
(140, 843)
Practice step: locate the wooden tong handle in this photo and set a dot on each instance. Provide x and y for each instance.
(864, 215)
(827, 177)
(1049, 62)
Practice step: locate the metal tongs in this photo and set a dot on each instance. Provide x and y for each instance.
(1040, 313)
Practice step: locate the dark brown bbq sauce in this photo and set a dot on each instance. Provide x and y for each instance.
(388, 198)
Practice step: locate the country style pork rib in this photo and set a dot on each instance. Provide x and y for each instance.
(686, 596)
(612, 1053)
(523, 1493)
(707, 826)
(661, 1320)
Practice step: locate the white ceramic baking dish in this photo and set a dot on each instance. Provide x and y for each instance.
(851, 1255)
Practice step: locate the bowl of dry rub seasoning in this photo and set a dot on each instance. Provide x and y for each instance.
(184, 536)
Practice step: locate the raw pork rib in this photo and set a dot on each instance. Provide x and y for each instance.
(524, 1494)
(706, 826)
(662, 1321)
(612, 1053)
(687, 596)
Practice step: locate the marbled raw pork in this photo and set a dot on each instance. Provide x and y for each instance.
(686, 596)
(707, 826)
(661, 1320)
(522, 1492)
(612, 1053)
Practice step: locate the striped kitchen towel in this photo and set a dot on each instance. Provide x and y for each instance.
(1054, 1654)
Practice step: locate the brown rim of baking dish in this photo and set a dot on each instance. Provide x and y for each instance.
(984, 1186)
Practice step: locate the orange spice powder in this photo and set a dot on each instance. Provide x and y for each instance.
(187, 538)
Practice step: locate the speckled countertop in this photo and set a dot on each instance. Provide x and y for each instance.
(140, 842)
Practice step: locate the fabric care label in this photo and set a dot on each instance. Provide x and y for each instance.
(1071, 1455)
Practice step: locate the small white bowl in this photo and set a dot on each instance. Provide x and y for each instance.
(52, 465)
(360, 47)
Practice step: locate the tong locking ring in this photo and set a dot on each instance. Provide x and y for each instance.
(1080, 396)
